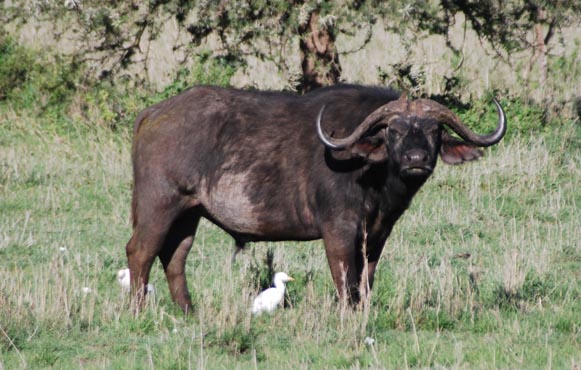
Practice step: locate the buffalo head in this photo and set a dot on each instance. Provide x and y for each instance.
(410, 134)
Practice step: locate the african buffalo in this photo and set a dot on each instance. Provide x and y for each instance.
(337, 163)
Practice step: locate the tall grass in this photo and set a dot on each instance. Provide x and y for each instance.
(481, 272)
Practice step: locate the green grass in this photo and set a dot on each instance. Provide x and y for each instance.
(514, 303)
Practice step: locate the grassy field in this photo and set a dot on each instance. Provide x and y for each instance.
(482, 272)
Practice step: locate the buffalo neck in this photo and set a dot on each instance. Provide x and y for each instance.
(389, 192)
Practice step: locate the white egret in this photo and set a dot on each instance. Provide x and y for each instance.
(271, 298)
(124, 279)
(369, 341)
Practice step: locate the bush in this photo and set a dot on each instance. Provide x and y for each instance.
(15, 67)
(524, 118)
(206, 70)
(51, 86)
(38, 82)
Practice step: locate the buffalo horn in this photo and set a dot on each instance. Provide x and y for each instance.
(383, 114)
(448, 118)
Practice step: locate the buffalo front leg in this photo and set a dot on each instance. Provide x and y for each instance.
(372, 251)
(373, 255)
(346, 273)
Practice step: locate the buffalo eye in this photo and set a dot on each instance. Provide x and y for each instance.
(433, 130)
(398, 130)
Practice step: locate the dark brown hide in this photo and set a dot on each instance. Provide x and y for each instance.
(252, 163)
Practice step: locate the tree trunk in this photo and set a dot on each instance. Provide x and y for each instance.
(541, 48)
(319, 57)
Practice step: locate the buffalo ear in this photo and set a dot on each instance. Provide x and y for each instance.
(372, 148)
(454, 151)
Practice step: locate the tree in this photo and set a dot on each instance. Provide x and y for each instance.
(507, 26)
(272, 29)
(115, 35)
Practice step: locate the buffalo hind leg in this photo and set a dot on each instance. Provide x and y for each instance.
(238, 247)
(173, 258)
(142, 249)
(149, 236)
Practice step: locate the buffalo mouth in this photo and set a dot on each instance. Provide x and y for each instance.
(420, 171)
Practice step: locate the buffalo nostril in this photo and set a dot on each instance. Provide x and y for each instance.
(416, 156)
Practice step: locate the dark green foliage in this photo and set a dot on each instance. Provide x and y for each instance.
(207, 70)
(15, 66)
(525, 118)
